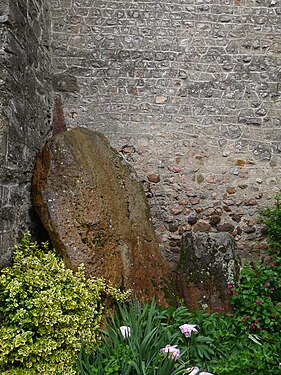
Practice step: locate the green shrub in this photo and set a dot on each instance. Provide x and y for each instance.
(257, 297)
(271, 217)
(252, 359)
(47, 311)
(256, 302)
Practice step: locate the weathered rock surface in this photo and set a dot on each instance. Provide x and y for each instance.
(94, 208)
(208, 263)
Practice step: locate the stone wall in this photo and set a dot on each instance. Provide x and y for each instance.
(25, 111)
(189, 92)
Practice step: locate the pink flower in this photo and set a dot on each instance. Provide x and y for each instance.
(266, 284)
(172, 349)
(125, 331)
(187, 329)
(229, 286)
(272, 264)
(272, 288)
(258, 302)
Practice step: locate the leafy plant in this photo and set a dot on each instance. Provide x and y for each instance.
(199, 349)
(136, 353)
(222, 345)
(257, 298)
(256, 302)
(151, 330)
(271, 217)
(47, 311)
(252, 359)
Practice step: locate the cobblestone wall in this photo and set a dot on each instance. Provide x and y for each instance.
(189, 91)
(25, 104)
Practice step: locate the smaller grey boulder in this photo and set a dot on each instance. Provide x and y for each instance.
(208, 263)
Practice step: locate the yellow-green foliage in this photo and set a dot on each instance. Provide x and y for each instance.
(48, 310)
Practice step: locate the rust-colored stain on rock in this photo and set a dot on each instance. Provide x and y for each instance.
(59, 121)
(94, 208)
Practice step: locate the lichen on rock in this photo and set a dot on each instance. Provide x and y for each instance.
(208, 263)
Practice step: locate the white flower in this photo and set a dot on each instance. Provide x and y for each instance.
(187, 329)
(192, 370)
(175, 352)
(126, 331)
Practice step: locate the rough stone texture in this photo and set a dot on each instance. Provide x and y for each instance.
(25, 111)
(194, 87)
(208, 263)
(94, 208)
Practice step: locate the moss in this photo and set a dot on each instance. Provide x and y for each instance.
(171, 293)
(206, 264)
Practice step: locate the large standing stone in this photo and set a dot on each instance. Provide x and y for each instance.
(208, 263)
(94, 208)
